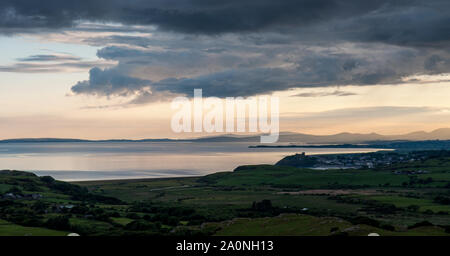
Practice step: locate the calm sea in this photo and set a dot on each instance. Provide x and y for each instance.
(129, 160)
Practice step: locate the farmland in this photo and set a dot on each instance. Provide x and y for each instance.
(251, 200)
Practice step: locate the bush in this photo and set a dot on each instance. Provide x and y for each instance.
(47, 179)
(40, 206)
(15, 190)
(387, 227)
(442, 200)
(366, 221)
(114, 214)
(264, 205)
(132, 215)
(80, 209)
(141, 225)
(59, 222)
(30, 186)
(421, 224)
(334, 229)
(31, 222)
(340, 234)
(413, 208)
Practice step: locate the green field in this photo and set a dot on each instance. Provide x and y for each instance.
(290, 177)
(304, 225)
(10, 229)
(251, 200)
(401, 201)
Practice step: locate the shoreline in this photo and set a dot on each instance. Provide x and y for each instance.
(160, 174)
(133, 179)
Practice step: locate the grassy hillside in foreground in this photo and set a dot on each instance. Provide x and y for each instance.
(305, 225)
(252, 200)
(10, 229)
(291, 177)
(394, 201)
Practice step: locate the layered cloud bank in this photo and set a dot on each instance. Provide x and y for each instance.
(236, 48)
(391, 21)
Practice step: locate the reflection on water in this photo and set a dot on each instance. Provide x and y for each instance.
(124, 160)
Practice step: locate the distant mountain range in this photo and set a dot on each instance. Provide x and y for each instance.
(301, 138)
(43, 140)
(439, 134)
(285, 137)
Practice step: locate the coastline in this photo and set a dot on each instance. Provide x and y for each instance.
(129, 174)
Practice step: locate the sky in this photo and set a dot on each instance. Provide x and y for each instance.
(102, 69)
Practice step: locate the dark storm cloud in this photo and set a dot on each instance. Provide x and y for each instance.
(196, 16)
(314, 69)
(230, 83)
(118, 39)
(304, 68)
(109, 82)
(426, 24)
(390, 21)
(241, 48)
(249, 82)
(172, 57)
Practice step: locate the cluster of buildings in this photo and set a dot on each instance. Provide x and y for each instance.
(410, 172)
(13, 196)
(367, 160)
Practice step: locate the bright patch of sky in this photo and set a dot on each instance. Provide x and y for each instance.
(16, 47)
